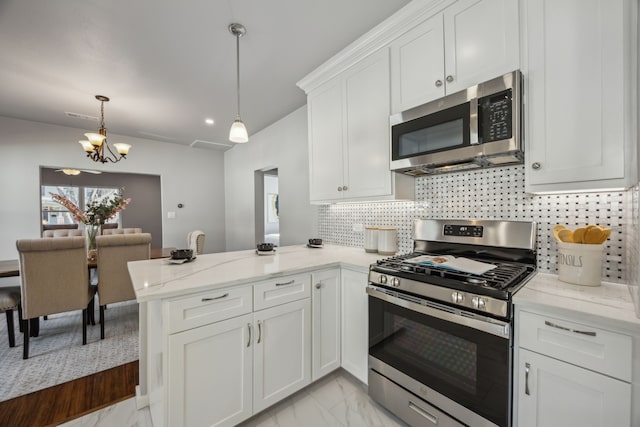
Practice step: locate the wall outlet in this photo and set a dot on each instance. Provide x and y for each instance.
(358, 227)
(171, 215)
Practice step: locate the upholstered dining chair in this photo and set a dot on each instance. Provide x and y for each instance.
(195, 241)
(110, 231)
(114, 251)
(108, 226)
(9, 301)
(62, 233)
(54, 278)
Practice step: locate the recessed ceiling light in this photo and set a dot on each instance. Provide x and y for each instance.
(208, 121)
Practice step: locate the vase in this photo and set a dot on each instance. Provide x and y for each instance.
(92, 231)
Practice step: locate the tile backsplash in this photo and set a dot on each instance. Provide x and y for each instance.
(497, 193)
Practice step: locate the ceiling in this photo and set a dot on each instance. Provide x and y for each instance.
(167, 65)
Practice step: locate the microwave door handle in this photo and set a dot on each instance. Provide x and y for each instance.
(473, 121)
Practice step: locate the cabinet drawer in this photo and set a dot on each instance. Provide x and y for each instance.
(281, 290)
(208, 307)
(592, 348)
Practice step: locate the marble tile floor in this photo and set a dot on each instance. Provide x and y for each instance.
(338, 400)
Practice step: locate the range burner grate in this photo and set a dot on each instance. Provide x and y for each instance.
(505, 276)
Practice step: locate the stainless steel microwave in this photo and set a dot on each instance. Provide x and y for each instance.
(474, 128)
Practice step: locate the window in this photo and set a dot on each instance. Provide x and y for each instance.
(55, 213)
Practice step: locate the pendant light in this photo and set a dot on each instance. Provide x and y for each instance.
(238, 132)
(95, 144)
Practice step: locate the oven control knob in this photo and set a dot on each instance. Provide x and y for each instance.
(395, 282)
(383, 279)
(457, 297)
(479, 303)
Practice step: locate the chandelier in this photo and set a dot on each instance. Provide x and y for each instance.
(96, 143)
(238, 132)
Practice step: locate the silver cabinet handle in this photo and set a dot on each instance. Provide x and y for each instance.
(438, 83)
(564, 328)
(431, 418)
(318, 285)
(536, 165)
(249, 328)
(290, 282)
(259, 332)
(215, 298)
(526, 378)
(449, 78)
(339, 188)
(345, 188)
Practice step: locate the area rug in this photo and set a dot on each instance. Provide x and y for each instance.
(57, 354)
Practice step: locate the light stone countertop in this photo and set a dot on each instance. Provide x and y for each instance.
(158, 278)
(608, 305)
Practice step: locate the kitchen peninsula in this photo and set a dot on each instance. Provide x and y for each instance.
(229, 334)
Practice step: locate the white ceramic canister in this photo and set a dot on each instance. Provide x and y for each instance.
(371, 239)
(580, 264)
(387, 240)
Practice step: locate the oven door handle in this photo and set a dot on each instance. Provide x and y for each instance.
(491, 326)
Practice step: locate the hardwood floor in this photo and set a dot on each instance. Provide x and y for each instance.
(64, 402)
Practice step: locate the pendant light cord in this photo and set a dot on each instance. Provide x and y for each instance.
(238, 71)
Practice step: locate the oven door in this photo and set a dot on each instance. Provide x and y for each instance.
(459, 363)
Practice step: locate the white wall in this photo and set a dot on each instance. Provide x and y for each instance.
(282, 145)
(193, 177)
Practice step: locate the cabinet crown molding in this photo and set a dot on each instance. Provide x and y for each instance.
(378, 37)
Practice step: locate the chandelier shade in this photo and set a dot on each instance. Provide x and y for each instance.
(96, 145)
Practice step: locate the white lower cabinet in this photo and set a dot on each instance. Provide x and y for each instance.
(210, 374)
(355, 324)
(325, 297)
(222, 373)
(282, 352)
(570, 373)
(555, 393)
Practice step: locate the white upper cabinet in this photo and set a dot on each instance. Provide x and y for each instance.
(349, 135)
(579, 62)
(469, 42)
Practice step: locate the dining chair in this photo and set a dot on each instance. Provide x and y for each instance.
(111, 231)
(9, 301)
(54, 278)
(108, 226)
(195, 241)
(113, 254)
(62, 233)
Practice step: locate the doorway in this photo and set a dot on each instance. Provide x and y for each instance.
(267, 206)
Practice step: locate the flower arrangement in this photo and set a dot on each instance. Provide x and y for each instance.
(98, 212)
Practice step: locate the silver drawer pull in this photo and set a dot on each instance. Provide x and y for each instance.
(432, 418)
(564, 328)
(215, 298)
(286, 283)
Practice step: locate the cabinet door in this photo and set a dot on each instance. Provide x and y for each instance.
(481, 41)
(367, 130)
(417, 65)
(554, 393)
(325, 322)
(576, 70)
(282, 352)
(355, 324)
(325, 142)
(210, 374)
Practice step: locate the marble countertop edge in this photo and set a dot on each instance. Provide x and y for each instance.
(609, 304)
(159, 279)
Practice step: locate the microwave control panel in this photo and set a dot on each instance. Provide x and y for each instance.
(495, 117)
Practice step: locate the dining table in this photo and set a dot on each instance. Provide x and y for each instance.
(11, 267)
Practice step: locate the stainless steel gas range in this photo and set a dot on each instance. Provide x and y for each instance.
(441, 322)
